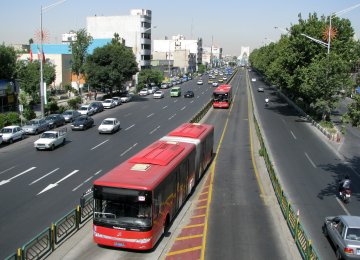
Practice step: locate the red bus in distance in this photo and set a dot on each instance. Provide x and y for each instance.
(202, 136)
(135, 202)
(222, 96)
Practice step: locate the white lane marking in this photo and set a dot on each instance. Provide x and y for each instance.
(192, 101)
(175, 101)
(197, 96)
(88, 179)
(342, 206)
(44, 176)
(128, 114)
(8, 180)
(127, 150)
(183, 108)
(154, 130)
(312, 163)
(7, 170)
(164, 107)
(171, 117)
(202, 93)
(129, 127)
(53, 185)
(293, 134)
(150, 115)
(99, 144)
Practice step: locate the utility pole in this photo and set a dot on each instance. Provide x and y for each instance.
(211, 49)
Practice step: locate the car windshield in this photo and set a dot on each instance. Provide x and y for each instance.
(83, 108)
(6, 130)
(353, 234)
(81, 119)
(122, 207)
(67, 113)
(158, 92)
(107, 122)
(107, 100)
(51, 118)
(33, 122)
(48, 135)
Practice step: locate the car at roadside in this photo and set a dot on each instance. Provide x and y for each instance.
(109, 103)
(87, 110)
(154, 89)
(158, 94)
(164, 85)
(344, 233)
(82, 122)
(109, 125)
(55, 120)
(189, 94)
(70, 115)
(260, 89)
(98, 106)
(126, 97)
(117, 101)
(144, 92)
(11, 133)
(36, 126)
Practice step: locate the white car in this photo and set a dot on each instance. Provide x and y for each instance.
(200, 82)
(253, 79)
(126, 98)
(108, 103)
(144, 92)
(11, 133)
(158, 94)
(117, 100)
(109, 125)
(215, 84)
(87, 110)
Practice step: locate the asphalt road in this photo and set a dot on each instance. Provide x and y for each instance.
(29, 205)
(308, 165)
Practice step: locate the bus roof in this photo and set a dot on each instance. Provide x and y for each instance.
(191, 130)
(146, 169)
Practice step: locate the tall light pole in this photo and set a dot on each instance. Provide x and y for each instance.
(42, 90)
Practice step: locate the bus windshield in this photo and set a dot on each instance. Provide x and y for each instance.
(218, 97)
(122, 208)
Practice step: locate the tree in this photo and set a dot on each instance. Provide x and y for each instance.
(147, 76)
(110, 66)
(354, 111)
(29, 76)
(78, 49)
(201, 68)
(7, 62)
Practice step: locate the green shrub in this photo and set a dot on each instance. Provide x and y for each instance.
(74, 102)
(51, 107)
(10, 118)
(28, 113)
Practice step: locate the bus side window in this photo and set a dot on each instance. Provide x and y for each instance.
(157, 204)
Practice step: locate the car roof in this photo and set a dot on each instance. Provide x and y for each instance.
(85, 105)
(110, 118)
(11, 126)
(351, 221)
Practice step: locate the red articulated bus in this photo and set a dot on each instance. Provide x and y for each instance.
(135, 202)
(222, 96)
(202, 136)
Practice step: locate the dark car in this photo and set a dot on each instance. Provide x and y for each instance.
(71, 115)
(189, 94)
(98, 106)
(82, 122)
(55, 120)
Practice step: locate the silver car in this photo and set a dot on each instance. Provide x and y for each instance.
(11, 133)
(36, 126)
(344, 233)
(71, 115)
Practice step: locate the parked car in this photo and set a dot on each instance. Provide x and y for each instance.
(344, 232)
(11, 133)
(126, 97)
(158, 94)
(164, 85)
(109, 125)
(109, 103)
(144, 92)
(117, 100)
(200, 82)
(87, 110)
(36, 126)
(55, 120)
(82, 122)
(71, 115)
(98, 106)
(189, 94)
(154, 89)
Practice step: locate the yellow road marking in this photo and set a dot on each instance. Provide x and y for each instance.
(202, 200)
(201, 207)
(184, 251)
(206, 192)
(199, 216)
(188, 237)
(196, 225)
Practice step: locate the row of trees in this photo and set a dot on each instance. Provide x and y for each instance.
(305, 70)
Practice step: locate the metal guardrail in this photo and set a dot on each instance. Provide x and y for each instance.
(292, 218)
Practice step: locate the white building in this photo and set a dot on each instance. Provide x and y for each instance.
(135, 29)
(211, 56)
(185, 54)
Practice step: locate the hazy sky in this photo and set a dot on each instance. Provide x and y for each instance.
(230, 23)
